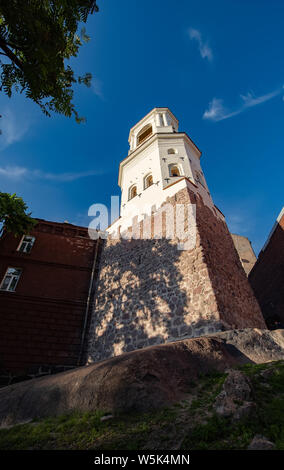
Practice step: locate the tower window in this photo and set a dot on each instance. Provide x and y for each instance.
(26, 244)
(144, 134)
(11, 279)
(174, 170)
(172, 151)
(148, 181)
(132, 192)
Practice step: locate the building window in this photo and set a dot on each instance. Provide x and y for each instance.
(11, 279)
(26, 244)
(174, 170)
(144, 134)
(172, 151)
(148, 181)
(132, 192)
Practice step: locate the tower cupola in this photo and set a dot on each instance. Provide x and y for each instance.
(159, 120)
(160, 162)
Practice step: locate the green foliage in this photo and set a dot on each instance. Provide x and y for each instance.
(210, 385)
(221, 433)
(85, 431)
(199, 427)
(36, 39)
(13, 214)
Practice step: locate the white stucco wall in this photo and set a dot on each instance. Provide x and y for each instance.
(161, 120)
(152, 157)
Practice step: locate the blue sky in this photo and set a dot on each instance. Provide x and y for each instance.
(217, 65)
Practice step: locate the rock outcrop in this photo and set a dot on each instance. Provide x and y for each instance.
(235, 398)
(140, 380)
(261, 443)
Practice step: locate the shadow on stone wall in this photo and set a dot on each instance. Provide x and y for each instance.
(150, 292)
(141, 299)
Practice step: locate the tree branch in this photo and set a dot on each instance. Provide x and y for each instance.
(10, 54)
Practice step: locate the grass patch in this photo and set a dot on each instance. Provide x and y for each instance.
(80, 431)
(191, 421)
(221, 433)
(209, 387)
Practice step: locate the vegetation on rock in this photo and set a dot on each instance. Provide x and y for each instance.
(190, 424)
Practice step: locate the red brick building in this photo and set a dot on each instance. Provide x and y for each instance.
(267, 276)
(46, 279)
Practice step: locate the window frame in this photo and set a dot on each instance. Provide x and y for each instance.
(144, 130)
(22, 241)
(130, 197)
(173, 165)
(11, 280)
(145, 181)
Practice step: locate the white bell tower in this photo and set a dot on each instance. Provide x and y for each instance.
(161, 161)
(151, 290)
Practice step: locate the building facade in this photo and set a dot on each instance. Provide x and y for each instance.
(267, 276)
(47, 284)
(157, 284)
(168, 269)
(245, 252)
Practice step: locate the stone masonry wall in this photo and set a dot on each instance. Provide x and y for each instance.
(149, 292)
(236, 303)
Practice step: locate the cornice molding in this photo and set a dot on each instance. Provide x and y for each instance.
(150, 141)
(145, 118)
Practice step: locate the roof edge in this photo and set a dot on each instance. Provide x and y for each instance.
(276, 223)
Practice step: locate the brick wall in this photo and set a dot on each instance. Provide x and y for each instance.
(41, 322)
(267, 278)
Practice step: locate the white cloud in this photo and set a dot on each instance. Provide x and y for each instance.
(204, 49)
(97, 88)
(64, 177)
(249, 100)
(13, 128)
(217, 112)
(15, 172)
